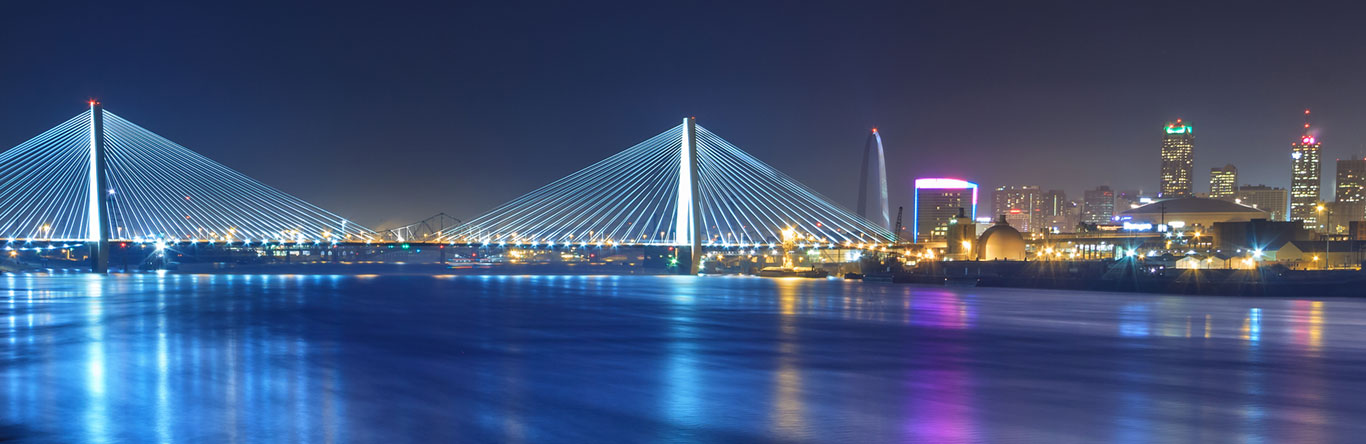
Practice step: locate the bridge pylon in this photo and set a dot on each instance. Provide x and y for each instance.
(688, 223)
(98, 207)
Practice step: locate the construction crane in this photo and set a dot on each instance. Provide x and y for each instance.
(898, 224)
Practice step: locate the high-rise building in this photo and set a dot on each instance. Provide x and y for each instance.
(1098, 206)
(1304, 177)
(881, 212)
(1350, 192)
(1022, 206)
(1351, 183)
(1265, 198)
(1339, 215)
(1066, 219)
(1054, 203)
(1223, 182)
(1178, 160)
(937, 201)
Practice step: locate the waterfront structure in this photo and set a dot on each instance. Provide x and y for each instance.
(1254, 235)
(1098, 205)
(881, 212)
(1001, 242)
(1351, 181)
(1223, 182)
(1315, 254)
(1189, 212)
(1178, 160)
(1023, 205)
(1270, 199)
(936, 202)
(962, 237)
(1304, 176)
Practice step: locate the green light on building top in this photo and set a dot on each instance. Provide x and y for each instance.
(1183, 129)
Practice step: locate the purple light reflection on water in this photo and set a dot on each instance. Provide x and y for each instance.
(306, 358)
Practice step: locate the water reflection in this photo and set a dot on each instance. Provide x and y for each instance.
(682, 379)
(302, 358)
(787, 406)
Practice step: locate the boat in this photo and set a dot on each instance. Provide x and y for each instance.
(804, 272)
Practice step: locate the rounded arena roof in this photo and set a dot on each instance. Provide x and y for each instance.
(1192, 205)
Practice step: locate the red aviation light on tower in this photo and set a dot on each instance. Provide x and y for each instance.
(875, 130)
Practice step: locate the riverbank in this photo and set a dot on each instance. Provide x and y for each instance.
(1137, 277)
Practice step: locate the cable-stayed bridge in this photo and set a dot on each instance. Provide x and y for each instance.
(98, 178)
(684, 187)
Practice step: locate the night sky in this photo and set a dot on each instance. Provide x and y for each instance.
(388, 112)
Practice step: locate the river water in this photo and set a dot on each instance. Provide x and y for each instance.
(313, 358)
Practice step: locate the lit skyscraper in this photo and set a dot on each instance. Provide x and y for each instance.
(1223, 182)
(937, 201)
(1022, 205)
(1178, 160)
(1098, 206)
(1304, 177)
(1351, 183)
(1054, 202)
(1265, 198)
(1350, 192)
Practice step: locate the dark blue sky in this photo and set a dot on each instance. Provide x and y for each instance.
(387, 112)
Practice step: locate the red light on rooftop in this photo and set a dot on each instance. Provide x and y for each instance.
(875, 129)
(1178, 120)
(1306, 111)
(1306, 125)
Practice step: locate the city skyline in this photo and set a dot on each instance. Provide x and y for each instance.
(388, 99)
(1327, 178)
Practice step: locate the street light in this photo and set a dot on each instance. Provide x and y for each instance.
(1327, 231)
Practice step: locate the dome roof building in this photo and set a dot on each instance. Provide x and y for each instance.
(1001, 242)
(1191, 211)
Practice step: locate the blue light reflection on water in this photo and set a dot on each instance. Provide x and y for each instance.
(309, 358)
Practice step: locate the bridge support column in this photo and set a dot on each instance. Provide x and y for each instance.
(98, 206)
(688, 220)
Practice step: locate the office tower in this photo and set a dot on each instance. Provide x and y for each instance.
(1351, 183)
(1054, 202)
(1304, 177)
(1022, 206)
(937, 201)
(1054, 205)
(1098, 205)
(1223, 182)
(1265, 198)
(1178, 160)
(1350, 191)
